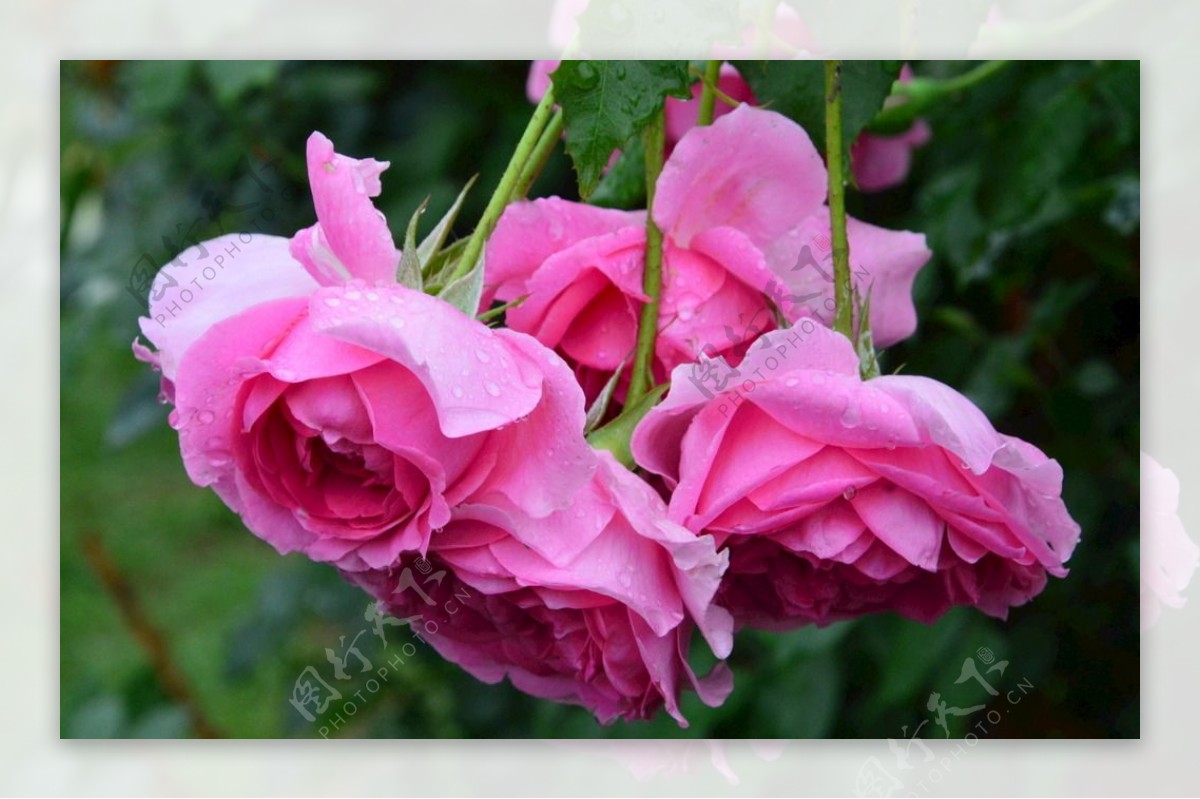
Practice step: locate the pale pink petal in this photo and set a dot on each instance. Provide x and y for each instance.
(213, 281)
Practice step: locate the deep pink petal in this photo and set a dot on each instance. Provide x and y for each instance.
(528, 233)
(753, 170)
(351, 238)
(466, 368)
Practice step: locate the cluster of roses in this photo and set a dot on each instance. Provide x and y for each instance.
(366, 424)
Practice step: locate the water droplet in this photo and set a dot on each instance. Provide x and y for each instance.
(686, 313)
(286, 375)
(850, 493)
(851, 417)
(163, 399)
(396, 298)
(332, 302)
(491, 388)
(965, 465)
(207, 417)
(353, 294)
(174, 418)
(372, 296)
(792, 382)
(457, 391)
(396, 322)
(587, 77)
(482, 356)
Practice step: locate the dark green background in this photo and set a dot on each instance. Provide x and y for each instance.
(1028, 194)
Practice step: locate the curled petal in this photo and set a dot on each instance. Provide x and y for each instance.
(351, 238)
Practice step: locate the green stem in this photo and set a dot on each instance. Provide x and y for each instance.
(641, 381)
(973, 76)
(708, 94)
(541, 154)
(921, 94)
(508, 183)
(843, 311)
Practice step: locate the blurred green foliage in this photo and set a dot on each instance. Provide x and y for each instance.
(1028, 194)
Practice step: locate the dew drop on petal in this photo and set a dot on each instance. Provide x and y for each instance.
(491, 388)
(332, 302)
(850, 493)
(353, 294)
(482, 356)
(851, 417)
(457, 391)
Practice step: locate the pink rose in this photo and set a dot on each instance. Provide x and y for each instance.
(593, 605)
(741, 207)
(346, 421)
(837, 497)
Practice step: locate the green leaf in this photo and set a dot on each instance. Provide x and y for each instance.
(409, 272)
(624, 185)
(615, 435)
(441, 266)
(600, 405)
(432, 243)
(605, 103)
(796, 89)
(466, 292)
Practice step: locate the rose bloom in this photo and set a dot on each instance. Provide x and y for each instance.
(594, 605)
(340, 414)
(741, 207)
(836, 496)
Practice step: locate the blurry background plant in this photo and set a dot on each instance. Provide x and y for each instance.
(1028, 194)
